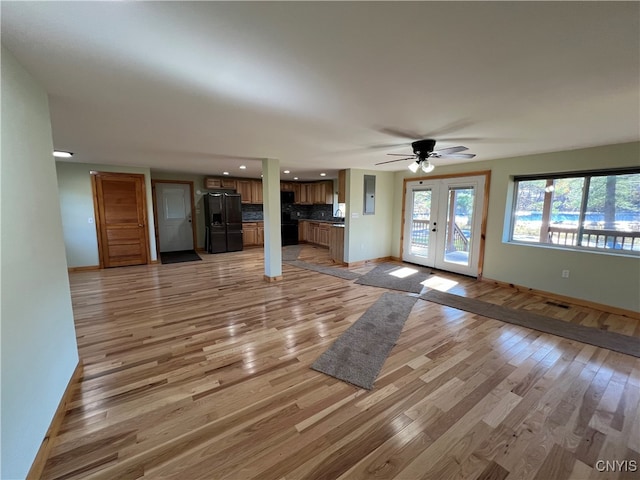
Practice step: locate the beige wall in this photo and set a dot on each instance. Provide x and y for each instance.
(608, 279)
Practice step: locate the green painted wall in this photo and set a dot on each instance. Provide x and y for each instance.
(602, 278)
(38, 341)
(368, 237)
(76, 204)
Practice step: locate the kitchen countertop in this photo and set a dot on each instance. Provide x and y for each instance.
(335, 223)
(320, 221)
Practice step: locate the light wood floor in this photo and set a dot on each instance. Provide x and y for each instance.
(201, 370)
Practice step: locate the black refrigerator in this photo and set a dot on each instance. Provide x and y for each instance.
(223, 222)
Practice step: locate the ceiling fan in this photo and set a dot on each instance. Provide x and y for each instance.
(423, 151)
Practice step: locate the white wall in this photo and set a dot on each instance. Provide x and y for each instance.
(39, 350)
(601, 278)
(76, 204)
(368, 237)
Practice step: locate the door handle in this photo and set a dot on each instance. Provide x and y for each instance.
(140, 225)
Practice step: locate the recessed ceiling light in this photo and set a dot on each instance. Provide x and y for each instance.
(287, 171)
(243, 167)
(295, 178)
(62, 154)
(225, 173)
(323, 174)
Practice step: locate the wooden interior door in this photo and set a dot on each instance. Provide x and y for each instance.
(121, 217)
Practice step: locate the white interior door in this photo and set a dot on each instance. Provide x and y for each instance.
(443, 223)
(173, 201)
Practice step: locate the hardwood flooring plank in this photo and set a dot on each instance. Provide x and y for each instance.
(202, 371)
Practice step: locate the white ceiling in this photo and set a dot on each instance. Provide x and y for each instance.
(206, 86)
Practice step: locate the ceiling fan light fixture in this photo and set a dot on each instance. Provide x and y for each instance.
(414, 166)
(427, 167)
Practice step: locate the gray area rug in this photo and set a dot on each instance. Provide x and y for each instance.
(382, 276)
(358, 354)
(593, 336)
(291, 252)
(336, 272)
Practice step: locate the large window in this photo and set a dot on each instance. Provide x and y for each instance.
(598, 210)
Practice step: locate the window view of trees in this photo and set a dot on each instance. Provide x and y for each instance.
(557, 211)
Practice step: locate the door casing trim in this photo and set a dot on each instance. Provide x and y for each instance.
(484, 213)
(155, 211)
(98, 216)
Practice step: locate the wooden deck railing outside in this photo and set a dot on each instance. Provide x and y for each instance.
(612, 239)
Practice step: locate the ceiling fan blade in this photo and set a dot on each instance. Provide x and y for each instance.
(457, 155)
(447, 151)
(396, 160)
(450, 127)
(397, 154)
(399, 133)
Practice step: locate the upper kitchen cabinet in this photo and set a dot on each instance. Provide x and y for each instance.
(256, 191)
(243, 187)
(307, 194)
(219, 183)
(342, 186)
(323, 193)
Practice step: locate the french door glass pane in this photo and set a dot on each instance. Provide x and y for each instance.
(421, 223)
(459, 225)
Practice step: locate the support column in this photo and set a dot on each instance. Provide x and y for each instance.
(272, 219)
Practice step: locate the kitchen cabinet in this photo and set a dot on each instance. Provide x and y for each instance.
(336, 244)
(249, 234)
(243, 187)
(296, 192)
(323, 193)
(252, 234)
(324, 229)
(342, 186)
(212, 183)
(260, 233)
(307, 193)
(314, 232)
(302, 231)
(256, 191)
(286, 186)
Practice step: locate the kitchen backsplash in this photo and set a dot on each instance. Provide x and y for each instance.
(253, 213)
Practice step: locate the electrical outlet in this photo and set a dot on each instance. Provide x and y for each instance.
(90, 219)
(565, 273)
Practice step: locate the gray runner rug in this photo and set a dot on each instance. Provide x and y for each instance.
(382, 276)
(358, 354)
(291, 252)
(593, 336)
(336, 272)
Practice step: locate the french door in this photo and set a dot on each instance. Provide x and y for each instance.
(443, 223)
